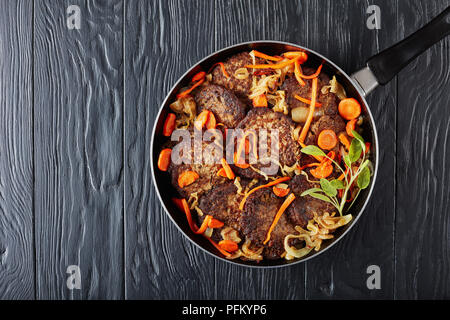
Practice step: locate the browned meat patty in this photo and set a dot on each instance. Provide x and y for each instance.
(302, 209)
(207, 170)
(227, 108)
(241, 87)
(288, 148)
(259, 211)
(291, 87)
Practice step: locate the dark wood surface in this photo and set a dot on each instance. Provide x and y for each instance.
(77, 109)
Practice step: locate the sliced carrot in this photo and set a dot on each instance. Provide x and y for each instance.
(270, 184)
(344, 140)
(367, 147)
(225, 253)
(315, 164)
(183, 206)
(204, 225)
(169, 124)
(280, 65)
(186, 178)
(228, 171)
(322, 171)
(302, 56)
(186, 92)
(283, 208)
(260, 101)
(201, 119)
(298, 72)
(312, 107)
(307, 101)
(222, 67)
(211, 122)
(349, 108)
(265, 56)
(199, 76)
(164, 159)
(228, 245)
(239, 162)
(222, 173)
(314, 75)
(280, 192)
(214, 224)
(327, 139)
(351, 125)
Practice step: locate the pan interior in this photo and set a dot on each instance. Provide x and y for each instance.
(166, 190)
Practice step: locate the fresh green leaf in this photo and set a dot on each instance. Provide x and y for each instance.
(355, 150)
(347, 160)
(328, 188)
(309, 191)
(313, 151)
(364, 178)
(320, 197)
(338, 184)
(360, 139)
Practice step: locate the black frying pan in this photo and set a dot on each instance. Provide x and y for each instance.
(380, 69)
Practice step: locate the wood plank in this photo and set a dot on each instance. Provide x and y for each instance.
(240, 21)
(162, 40)
(79, 149)
(340, 273)
(423, 220)
(16, 151)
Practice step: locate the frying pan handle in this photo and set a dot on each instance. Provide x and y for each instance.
(386, 64)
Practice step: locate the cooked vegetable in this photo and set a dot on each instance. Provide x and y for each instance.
(222, 173)
(228, 245)
(199, 76)
(164, 159)
(186, 178)
(228, 171)
(260, 101)
(241, 73)
(351, 125)
(344, 140)
(312, 76)
(222, 67)
(336, 88)
(204, 225)
(265, 56)
(300, 114)
(307, 101)
(327, 139)
(186, 92)
(279, 65)
(322, 171)
(183, 206)
(240, 162)
(300, 55)
(281, 190)
(169, 124)
(222, 251)
(214, 224)
(349, 108)
(205, 119)
(283, 208)
(298, 73)
(277, 181)
(305, 128)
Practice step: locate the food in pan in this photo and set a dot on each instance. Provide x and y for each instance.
(265, 155)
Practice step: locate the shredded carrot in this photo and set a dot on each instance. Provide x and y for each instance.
(222, 173)
(265, 56)
(280, 192)
(343, 139)
(211, 122)
(186, 178)
(272, 183)
(226, 167)
(186, 92)
(260, 101)
(280, 65)
(214, 224)
(350, 126)
(228, 245)
(302, 56)
(225, 253)
(314, 75)
(315, 164)
(327, 139)
(312, 107)
(164, 159)
(297, 72)
(239, 162)
(204, 225)
(222, 67)
(199, 76)
(283, 208)
(307, 101)
(349, 108)
(169, 124)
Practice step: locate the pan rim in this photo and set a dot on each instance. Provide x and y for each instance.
(373, 127)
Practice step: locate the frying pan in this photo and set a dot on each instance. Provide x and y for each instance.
(379, 70)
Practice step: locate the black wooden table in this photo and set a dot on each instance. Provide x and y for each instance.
(77, 109)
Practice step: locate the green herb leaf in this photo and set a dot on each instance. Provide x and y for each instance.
(313, 151)
(360, 139)
(355, 150)
(320, 197)
(364, 178)
(347, 160)
(328, 188)
(338, 184)
(309, 191)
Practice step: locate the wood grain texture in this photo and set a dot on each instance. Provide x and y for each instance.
(16, 151)
(79, 149)
(162, 40)
(423, 167)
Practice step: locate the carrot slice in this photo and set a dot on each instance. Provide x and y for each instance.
(327, 139)
(202, 119)
(283, 208)
(312, 107)
(186, 178)
(164, 159)
(280, 192)
(297, 72)
(222, 173)
(322, 171)
(199, 76)
(280, 65)
(307, 101)
(265, 56)
(240, 163)
(186, 92)
(350, 126)
(214, 224)
(302, 56)
(349, 108)
(211, 122)
(183, 206)
(228, 245)
(225, 253)
(270, 184)
(228, 171)
(169, 124)
(260, 101)
(314, 75)
(222, 67)
(204, 225)
(344, 140)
